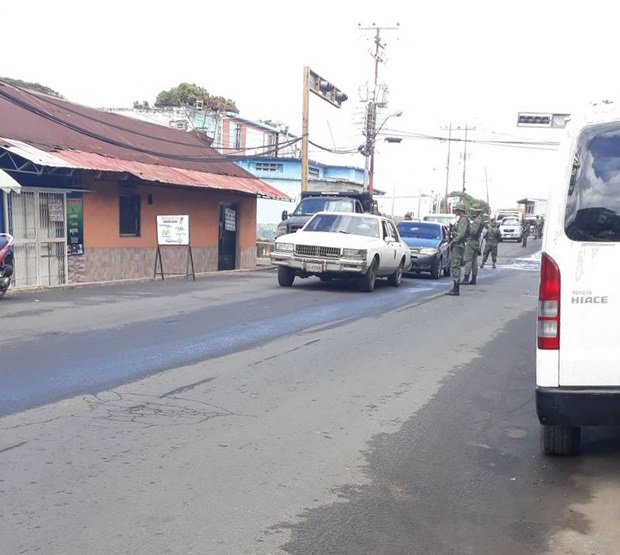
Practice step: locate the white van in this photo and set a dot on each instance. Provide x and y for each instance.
(578, 350)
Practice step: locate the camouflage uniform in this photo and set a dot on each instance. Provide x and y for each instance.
(493, 238)
(460, 232)
(471, 249)
(525, 232)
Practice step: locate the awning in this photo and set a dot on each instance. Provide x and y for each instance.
(148, 172)
(8, 184)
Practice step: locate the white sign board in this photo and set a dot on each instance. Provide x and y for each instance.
(173, 230)
(56, 210)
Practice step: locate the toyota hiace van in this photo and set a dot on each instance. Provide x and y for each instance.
(578, 349)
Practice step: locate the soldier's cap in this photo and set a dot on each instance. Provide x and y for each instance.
(476, 208)
(460, 206)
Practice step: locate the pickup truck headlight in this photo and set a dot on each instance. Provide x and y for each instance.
(430, 252)
(354, 253)
(286, 247)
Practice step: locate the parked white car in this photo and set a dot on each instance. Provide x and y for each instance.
(510, 229)
(343, 245)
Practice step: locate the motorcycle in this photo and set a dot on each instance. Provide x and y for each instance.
(6, 262)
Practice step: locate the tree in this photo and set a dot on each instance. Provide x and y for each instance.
(189, 94)
(37, 87)
(470, 201)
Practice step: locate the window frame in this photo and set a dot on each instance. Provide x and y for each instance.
(136, 216)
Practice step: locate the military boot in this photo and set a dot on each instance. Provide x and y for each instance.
(454, 292)
(494, 265)
(473, 279)
(465, 280)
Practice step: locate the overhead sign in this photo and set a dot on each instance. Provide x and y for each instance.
(173, 230)
(538, 119)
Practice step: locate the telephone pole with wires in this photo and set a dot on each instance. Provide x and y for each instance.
(370, 128)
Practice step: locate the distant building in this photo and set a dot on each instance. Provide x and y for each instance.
(285, 175)
(533, 206)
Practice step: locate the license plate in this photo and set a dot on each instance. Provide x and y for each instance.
(314, 267)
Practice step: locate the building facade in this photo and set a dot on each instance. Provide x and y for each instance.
(92, 183)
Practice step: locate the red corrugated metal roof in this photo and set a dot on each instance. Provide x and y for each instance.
(95, 140)
(168, 174)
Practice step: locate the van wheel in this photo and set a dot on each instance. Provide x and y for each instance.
(560, 440)
(286, 276)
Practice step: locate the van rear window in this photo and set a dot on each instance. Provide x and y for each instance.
(593, 205)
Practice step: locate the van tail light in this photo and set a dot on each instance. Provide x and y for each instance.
(549, 304)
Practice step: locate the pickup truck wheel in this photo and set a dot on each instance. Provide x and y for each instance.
(366, 282)
(560, 440)
(286, 276)
(396, 278)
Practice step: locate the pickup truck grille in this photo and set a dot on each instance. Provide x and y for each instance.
(313, 250)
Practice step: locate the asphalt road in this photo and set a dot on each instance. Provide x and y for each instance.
(398, 422)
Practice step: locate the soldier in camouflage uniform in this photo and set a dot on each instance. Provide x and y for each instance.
(493, 238)
(525, 232)
(460, 231)
(471, 247)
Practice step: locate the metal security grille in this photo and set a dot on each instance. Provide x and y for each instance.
(37, 221)
(313, 250)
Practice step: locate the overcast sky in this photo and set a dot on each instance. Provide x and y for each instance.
(453, 61)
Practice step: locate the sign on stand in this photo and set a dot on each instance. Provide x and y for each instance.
(173, 231)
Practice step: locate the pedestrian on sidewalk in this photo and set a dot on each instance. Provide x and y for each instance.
(472, 246)
(460, 232)
(493, 238)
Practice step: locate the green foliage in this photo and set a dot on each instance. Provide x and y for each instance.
(188, 94)
(137, 105)
(37, 87)
(471, 201)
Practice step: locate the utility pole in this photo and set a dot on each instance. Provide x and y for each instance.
(371, 109)
(305, 130)
(464, 158)
(448, 167)
(314, 83)
(486, 180)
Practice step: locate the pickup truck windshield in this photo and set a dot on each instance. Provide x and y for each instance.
(312, 205)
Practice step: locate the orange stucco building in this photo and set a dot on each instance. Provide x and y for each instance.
(93, 184)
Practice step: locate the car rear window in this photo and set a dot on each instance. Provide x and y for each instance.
(419, 231)
(593, 205)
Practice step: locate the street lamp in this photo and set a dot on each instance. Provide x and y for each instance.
(368, 149)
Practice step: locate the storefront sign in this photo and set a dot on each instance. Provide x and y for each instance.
(75, 224)
(56, 210)
(173, 230)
